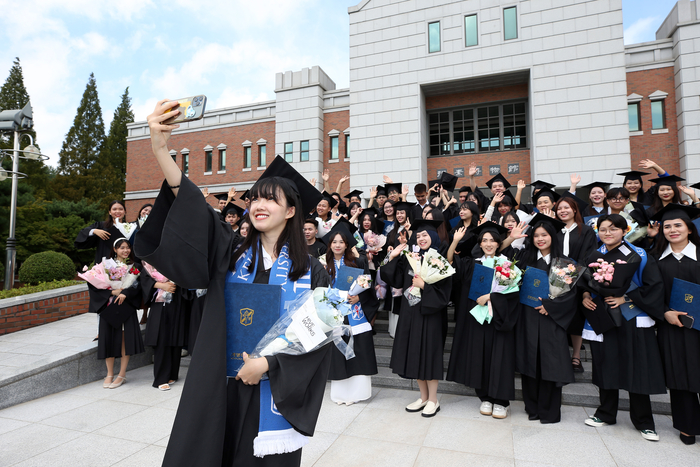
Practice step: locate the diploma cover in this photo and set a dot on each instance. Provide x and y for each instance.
(251, 310)
(685, 296)
(481, 281)
(345, 276)
(535, 286)
(454, 221)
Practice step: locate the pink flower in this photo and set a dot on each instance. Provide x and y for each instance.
(608, 277)
(85, 268)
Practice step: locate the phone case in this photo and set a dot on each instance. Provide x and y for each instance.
(191, 108)
(686, 320)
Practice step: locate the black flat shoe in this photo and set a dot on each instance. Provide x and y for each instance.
(687, 440)
(576, 363)
(533, 417)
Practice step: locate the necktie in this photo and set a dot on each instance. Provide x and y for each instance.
(566, 232)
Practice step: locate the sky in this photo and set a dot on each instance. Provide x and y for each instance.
(229, 50)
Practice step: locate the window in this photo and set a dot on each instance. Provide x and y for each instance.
(289, 152)
(207, 161)
(174, 156)
(304, 151)
(247, 157)
(262, 155)
(222, 159)
(434, 37)
(473, 130)
(658, 116)
(186, 164)
(334, 147)
(510, 23)
(347, 146)
(471, 34)
(633, 111)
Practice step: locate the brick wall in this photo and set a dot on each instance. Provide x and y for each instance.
(517, 91)
(661, 148)
(28, 315)
(336, 121)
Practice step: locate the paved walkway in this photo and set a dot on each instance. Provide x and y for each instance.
(129, 426)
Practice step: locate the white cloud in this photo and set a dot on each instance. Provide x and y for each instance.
(642, 30)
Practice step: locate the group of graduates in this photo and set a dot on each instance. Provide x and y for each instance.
(653, 350)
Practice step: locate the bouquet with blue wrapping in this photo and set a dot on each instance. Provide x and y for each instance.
(314, 319)
(505, 280)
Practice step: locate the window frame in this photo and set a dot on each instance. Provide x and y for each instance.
(347, 145)
(501, 128)
(439, 38)
(208, 161)
(466, 37)
(335, 148)
(662, 103)
(186, 163)
(302, 151)
(507, 8)
(247, 157)
(289, 153)
(222, 160)
(638, 106)
(262, 155)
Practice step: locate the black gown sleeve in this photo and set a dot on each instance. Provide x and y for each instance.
(435, 297)
(84, 240)
(650, 296)
(506, 309)
(562, 309)
(392, 272)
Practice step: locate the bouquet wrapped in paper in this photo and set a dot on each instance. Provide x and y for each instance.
(563, 274)
(111, 275)
(374, 242)
(161, 296)
(432, 269)
(96, 276)
(126, 228)
(505, 280)
(323, 309)
(362, 283)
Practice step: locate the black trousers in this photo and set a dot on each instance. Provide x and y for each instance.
(542, 398)
(483, 395)
(640, 409)
(685, 410)
(166, 364)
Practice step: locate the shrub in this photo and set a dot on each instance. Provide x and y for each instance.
(2, 271)
(27, 289)
(46, 266)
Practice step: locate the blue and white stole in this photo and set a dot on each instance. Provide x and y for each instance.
(637, 281)
(275, 433)
(357, 318)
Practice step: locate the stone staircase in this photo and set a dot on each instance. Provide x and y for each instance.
(581, 393)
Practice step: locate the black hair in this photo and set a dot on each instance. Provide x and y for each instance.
(657, 205)
(147, 205)
(373, 221)
(348, 257)
(351, 206)
(496, 238)
(110, 222)
(420, 188)
(513, 214)
(615, 219)
(117, 244)
(640, 193)
(342, 207)
(281, 192)
(529, 255)
(311, 220)
(471, 206)
(661, 243)
(382, 215)
(394, 234)
(617, 191)
(441, 230)
(329, 214)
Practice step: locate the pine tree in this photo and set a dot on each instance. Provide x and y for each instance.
(112, 159)
(78, 176)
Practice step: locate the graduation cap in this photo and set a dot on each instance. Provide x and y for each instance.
(490, 226)
(548, 193)
(470, 247)
(232, 207)
(696, 186)
(539, 218)
(425, 224)
(353, 193)
(602, 185)
(669, 180)
(223, 197)
(373, 211)
(579, 202)
(447, 181)
(403, 206)
(331, 200)
(381, 190)
(245, 195)
(633, 175)
(640, 215)
(393, 187)
(499, 178)
(344, 227)
(540, 184)
(676, 211)
(308, 193)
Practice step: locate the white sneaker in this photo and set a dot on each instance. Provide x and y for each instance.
(416, 406)
(650, 435)
(594, 422)
(499, 411)
(486, 408)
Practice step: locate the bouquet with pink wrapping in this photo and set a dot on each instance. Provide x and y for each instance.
(161, 296)
(374, 242)
(96, 276)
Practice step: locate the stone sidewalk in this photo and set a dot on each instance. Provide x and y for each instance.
(129, 426)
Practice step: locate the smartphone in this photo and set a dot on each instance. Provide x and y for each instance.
(191, 108)
(686, 320)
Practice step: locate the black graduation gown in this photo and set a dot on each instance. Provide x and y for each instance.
(545, 335)
(317, 249)
(680, 347)
(186, 241)
(166, 321)
(629, 358)
(418, 345)
(365, 360)
(483, 355)
(103, 247)
(196, 310)
(109, 342)
(589, 211)
(582, 242)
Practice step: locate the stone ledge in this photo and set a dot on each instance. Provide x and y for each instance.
(45, 295)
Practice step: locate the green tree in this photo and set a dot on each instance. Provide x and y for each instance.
(78, 176)
(14, 95)
(112, 159)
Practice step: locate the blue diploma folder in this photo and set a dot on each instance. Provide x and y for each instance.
(454, 221)
(345, 276)
(251, 310)
(535, 286)
(685, 296)
(481, 281)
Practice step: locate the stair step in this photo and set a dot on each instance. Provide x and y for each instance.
(578, 394)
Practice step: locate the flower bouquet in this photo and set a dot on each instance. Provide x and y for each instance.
(362, 283)
(563, 274)
(161, 296)
(323, 309)
(96, 276)
(506, 278)
(374, 242)
(126, 228)
(432, 269)
(324, 226)
(111, 275)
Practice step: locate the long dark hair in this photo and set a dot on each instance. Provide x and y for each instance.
(373, 221)
(382, 215)
(110, 222)
(280, 191)
(574, 207)
(657, 205)
(394, 234)
(147, 205)
(117, 244)
(442, 230)
(475, 214)
(529, 255)
(662, 243)
(348, 257)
